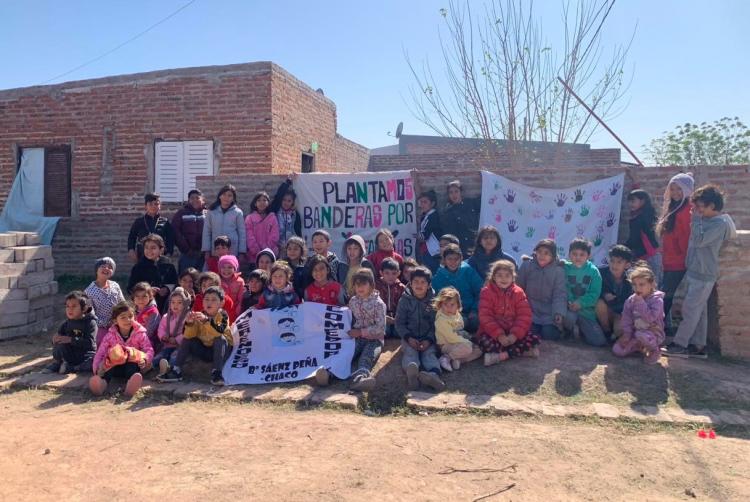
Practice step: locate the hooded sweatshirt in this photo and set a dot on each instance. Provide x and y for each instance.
(262, 232)
(448, 328)
(481, 261)
(368, 315)
(229, 222)
(415, 317)
(81, 331)
(137, 339)
(584, 286)
(545, 289)
(187, 225)
(504, 312)
(706, 237)
(465, 279)
(644, 314)
(345, 270)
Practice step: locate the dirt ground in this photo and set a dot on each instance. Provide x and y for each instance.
(64, 447)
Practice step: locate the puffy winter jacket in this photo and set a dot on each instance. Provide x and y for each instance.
(137, 340)
(504, 312)
(262, 232)
(674, 244)
(390, 294)
(187, 226)
(234, 287)
(649, 310)
(415, 317)
(545, 290)
(465, 279)
(230, 223)
(211, 329)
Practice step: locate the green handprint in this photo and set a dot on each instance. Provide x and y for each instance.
(584, 210)
(530, 232)
(598, 240)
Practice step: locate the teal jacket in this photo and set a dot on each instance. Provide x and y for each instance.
(584, 286)
(465, 280)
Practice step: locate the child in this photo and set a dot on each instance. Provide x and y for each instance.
(170, 330)
(222, 247)
(543, 280)
(295, 255)
(453, 340)
(454, 272)
(205, 281)
(284, 207)
(429, 231)
(207, 336)
(231, 282)
(261, 228)
(154, 269)
(415, 324)
(642, 318)
(390, 290)
(368, 331)
(446, 239)
(642, 237)
(226, 219)
(674, 230)
(74, 344)
(187, 224)
(323, 289)
(505, 317)
(265, 260)
(385, 249)
(146, 312)
(321, 242)
(104, 294)
(584, 284)
(257, 281)
(280, 292)
(615, 290)
(353, 258)
(188, 281)
(488, 249)
(150, 223)
(407, 268)
(708, 231)
(125, 352)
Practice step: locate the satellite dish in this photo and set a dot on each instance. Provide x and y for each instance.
(399, 129)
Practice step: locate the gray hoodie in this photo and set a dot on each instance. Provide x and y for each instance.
(706, 237)
(545, 289)
(230, 223)
(415, 317)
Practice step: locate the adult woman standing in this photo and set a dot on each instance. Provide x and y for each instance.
(461, 217)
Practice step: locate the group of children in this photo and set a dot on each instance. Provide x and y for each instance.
(483, 307)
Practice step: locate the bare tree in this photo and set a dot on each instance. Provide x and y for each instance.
(501, 74)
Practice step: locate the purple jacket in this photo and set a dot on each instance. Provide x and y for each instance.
(647, 314)
(187, 224)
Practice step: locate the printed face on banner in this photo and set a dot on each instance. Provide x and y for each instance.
(524, 215)
(361, 203)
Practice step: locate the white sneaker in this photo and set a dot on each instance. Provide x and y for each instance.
(445, 363)
(456, 364)
(163, 367)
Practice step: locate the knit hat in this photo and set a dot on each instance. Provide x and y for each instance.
(685, 181)
(267, 252)
(104, 261)
(229, 259)
(178, 291)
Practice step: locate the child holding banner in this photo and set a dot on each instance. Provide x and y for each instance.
(384, 241)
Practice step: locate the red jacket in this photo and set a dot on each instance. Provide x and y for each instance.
(504, 311)
(390, 294)
(377, 257)
(330, 294)
(233, 288)
(675, 243)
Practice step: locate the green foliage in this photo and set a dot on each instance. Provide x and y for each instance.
(726, 141)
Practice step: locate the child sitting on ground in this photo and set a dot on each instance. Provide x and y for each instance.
(323, 289)
(615, 290)
(232, 283)
(74, 344)
(543, 280)
(257, 281)
(222, 247)
(170, 330)
(124, 353)
(505, 317)
(146, 312)
(390, 290)
(207, 336)
(104, 294)
(415, 324)
(368, 331)
(457, 273)
(188, 280)
(584, 287)
(280, 292)
(205, 281)
(642, 318)
(454, 341)
(154, 269)
(385, 243)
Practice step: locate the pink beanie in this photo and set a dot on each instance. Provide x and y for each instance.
(229, 259)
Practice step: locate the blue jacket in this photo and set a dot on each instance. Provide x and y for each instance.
(481, 261)
(465, 280)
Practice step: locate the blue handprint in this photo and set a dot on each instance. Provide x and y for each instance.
(584, 210)
(516, 246)
(530, 232)
(512, 226)
(550, 215)
(510, 195)
(578, 195)
(615, 188)
(560, 199)
(568, 215)
(610, 219)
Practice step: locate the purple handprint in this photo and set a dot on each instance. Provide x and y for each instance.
(550, 215)
(601, 211)
(510, 195)
(535, 197)
(578, 195)
(512, 226)
(516, 246)
(611, 219)
(605, 261)
(598, 195)
(615, 188)
(568, 215)
(579, 230)
(552, 232)
(560, 199)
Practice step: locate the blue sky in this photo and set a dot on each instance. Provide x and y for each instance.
(689, 58)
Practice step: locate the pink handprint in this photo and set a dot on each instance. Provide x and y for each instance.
(552, 234)
(598, 195)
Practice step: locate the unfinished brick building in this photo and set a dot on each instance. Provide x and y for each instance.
(107, 141)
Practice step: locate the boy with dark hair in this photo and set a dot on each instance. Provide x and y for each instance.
(459, 274)
(222, 247)
(446, 239)
(709, 229)
(187, 224)
(615, 290)
(321, 244)
(150, 223)
(155, 269)
(390, 289)
(584, 285)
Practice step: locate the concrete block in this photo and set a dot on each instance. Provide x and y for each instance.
(41, 302)
(29, 253)
(8, 240)
(49, 263)
(13, 320)
(53, 288)
(12, 269)
(7, 255)
(32, 239)
(21, 238)
(14, 307)
(35, 278)
(4, 282)
(13, 294)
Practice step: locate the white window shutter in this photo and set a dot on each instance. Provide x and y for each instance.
(199, 161)
(170, 173)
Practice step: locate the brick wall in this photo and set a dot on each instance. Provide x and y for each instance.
(733, 299)
(350, 156)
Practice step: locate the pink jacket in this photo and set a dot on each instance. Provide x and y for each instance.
(262, 232)
(175, 326)
(234, 287)
(137, 339)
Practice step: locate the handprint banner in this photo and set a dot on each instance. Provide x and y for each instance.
(524, 215)
(358, 203)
